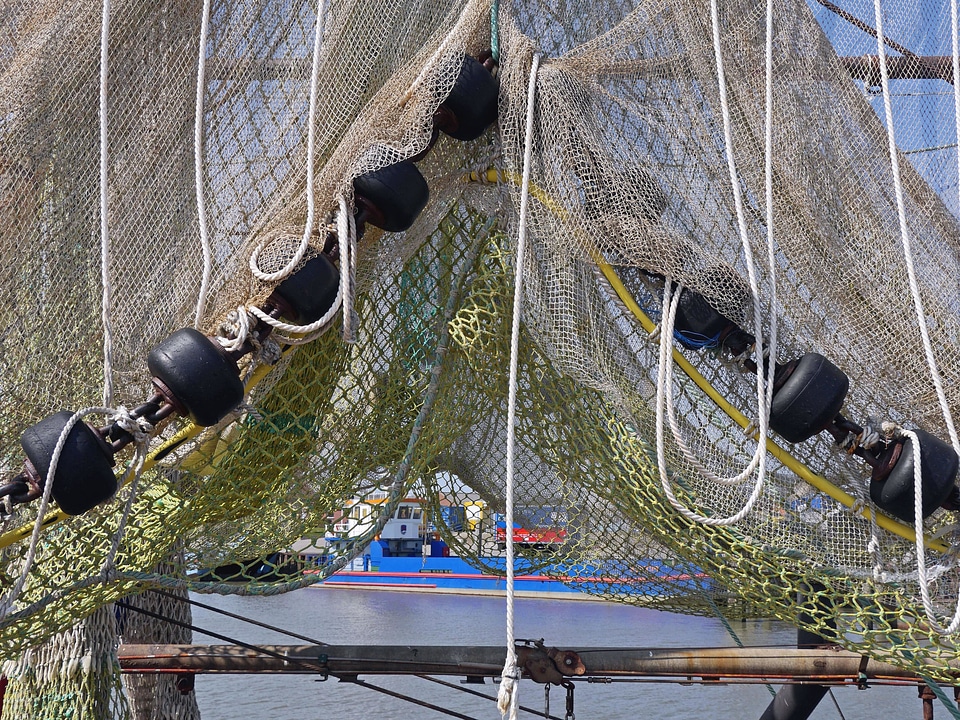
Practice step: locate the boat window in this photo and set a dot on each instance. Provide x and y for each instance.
(415, 515)
(404, 513)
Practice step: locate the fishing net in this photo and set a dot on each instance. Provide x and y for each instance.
(648, 177)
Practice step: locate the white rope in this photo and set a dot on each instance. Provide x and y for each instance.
(198, 165)
(11, 597)
(347, 234)
(107, 300)
(935, 624)
(922, 578)
(309, 332)
(664, 378)
(347, 231)
(767, 355)
(905, 234)
(670, 306)
(735, 184)
(311, 156)
(955, 34)
(140, 429)
(236, 329)
(507, 697)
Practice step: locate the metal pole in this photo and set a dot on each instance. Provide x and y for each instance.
(928, 67)
(927, 696)
(797, 702)
(689, 665)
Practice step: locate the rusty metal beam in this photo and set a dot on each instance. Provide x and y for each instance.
(913, 67)
(708, 664)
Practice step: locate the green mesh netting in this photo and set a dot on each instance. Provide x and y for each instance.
(630, 193)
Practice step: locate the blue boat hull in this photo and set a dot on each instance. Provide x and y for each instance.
(454, 575)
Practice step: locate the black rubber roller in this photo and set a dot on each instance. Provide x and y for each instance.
(698, 325)
(85, 475)
(938, 471)
(808, 394)
(196, 375)
(392, 197)
(308, 294)
(471, 107)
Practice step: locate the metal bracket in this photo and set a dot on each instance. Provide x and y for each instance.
(548, 665)
(323, 670)
(569, 686)
(862, 674)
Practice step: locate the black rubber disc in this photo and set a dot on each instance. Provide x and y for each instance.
(198, 375)
(809, 398)
(938, 468)
(85, 475)
(697, 323)
(471, 107)
(393, 196)
(310, 292)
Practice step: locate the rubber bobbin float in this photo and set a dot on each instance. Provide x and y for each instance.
(471, 106)
(84, 476)
(308, 294)
(891, 484)
(196, 376)
(697, 324)
(392, 197)
(807, 395)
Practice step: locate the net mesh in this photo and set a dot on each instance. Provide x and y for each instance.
(630, 184)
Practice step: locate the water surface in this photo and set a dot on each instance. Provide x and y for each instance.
(360, 617)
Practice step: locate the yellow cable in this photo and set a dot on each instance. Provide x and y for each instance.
(789, 461)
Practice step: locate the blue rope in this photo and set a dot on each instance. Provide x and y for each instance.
(696, 341)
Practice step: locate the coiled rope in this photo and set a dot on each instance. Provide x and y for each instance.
(664, 399)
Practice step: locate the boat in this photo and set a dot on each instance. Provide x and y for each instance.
(685, 274)
(410, 556)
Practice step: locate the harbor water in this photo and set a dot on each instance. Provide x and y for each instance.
(365, 617)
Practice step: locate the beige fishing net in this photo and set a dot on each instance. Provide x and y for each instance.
(647, 163)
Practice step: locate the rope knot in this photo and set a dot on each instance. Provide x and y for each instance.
(235, 330)
(250, 410)
(108, 573)
(269, 352)
(138, 427)
(507, 695)
(740, 360)
(890, 430)
(871, 434)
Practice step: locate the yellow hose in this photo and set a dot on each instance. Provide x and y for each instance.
(795, 465)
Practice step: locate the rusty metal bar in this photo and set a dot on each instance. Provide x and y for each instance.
(861, 67)
(710, 664)
(913, 67)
